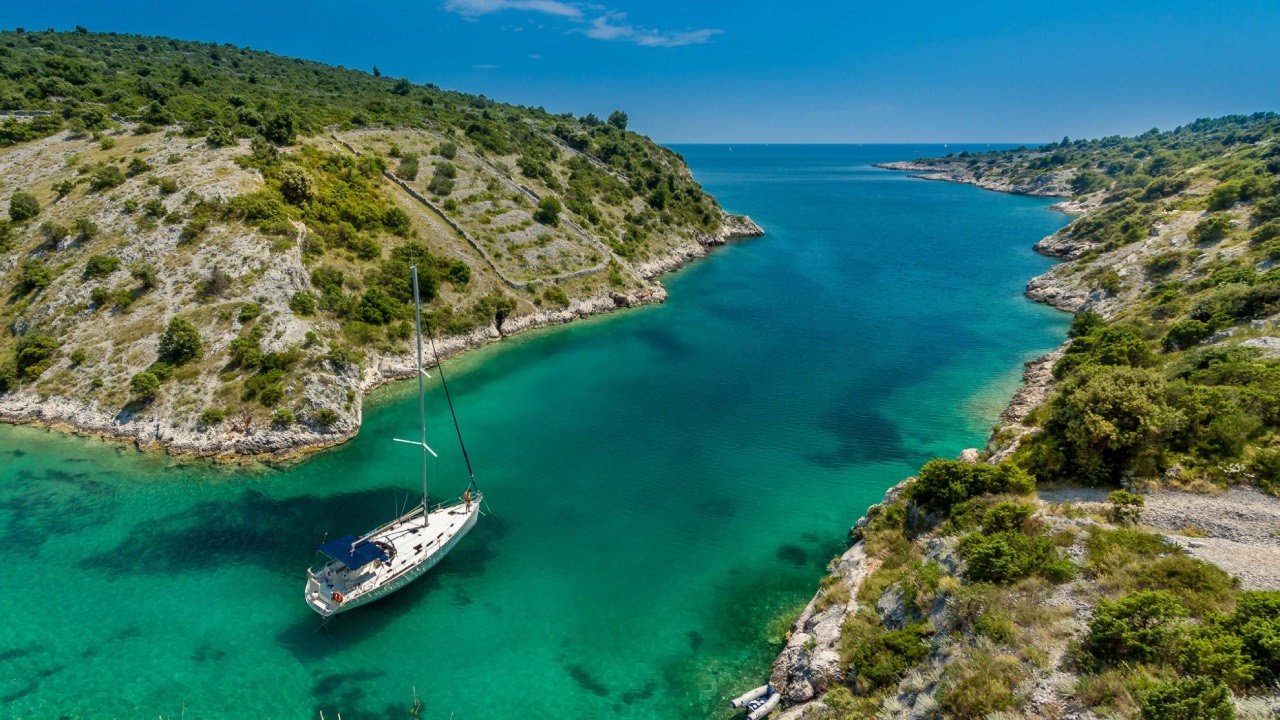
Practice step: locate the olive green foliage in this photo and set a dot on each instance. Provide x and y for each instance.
(324, 417)
(282, 418)
(23, 206)
(33, 276)
(980, 685)
(303, 303)
(144, 386)
(945, 483)
(1198, 698)
(106, 177)
(1211, 229)
(100, 266)
(1004, 556)
(1141, 627)
(212, 417)
(180, 342)
(548, 212)
(1105, 421)
(32, 355)
(875, 656)
(1126, 507)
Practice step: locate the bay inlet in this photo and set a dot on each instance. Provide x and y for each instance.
(663, 482)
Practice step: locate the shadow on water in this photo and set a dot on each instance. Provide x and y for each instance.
(55, 502)
(253, 529)
(862, 436)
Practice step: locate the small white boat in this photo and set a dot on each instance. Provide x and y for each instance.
(376, 564)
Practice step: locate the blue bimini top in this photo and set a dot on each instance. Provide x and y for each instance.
(353, 552)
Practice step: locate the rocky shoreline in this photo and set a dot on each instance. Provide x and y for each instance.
(1043, 185)
(239, 443)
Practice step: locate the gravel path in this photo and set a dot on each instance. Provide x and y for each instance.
(1241, 527)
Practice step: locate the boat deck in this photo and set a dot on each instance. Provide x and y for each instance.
(414, 544)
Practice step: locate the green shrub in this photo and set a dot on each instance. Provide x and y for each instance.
(1125, 507)
(877, 657)
(1139, 627)
(282, 418)
(1164, 263)
(100, 266)
(1109, 550)
(440, 185)
(180, 342)
(980, 686)
(1210, 651)
(1186, 334)
(408, 169)
(218, 136)
(1200, 586)
(144, 386)
(33, 276)
(324, 417)
(1189, 699)
(23, 206)
(1007, 557)
(1211, 229)
(78, 356)
(33, 353)
(138, 166)
(248, 312)
(212, 417)
(548, 212)
(1256, 621)
(447, 150)
(303, 303)
(1006, 517)
(107, 176)
(944, 483)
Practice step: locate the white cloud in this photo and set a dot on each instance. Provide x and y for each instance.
(601, 22)
(473, 8)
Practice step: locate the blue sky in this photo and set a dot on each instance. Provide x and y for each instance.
(756, 71)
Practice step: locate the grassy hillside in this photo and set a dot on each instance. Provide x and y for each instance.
(967, 596)
(210, 245)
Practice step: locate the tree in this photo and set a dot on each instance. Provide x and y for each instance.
(281, 128)
(296, 185)
(376, 71)
(106, 177)
(23, 206)
(144, 386)
(1107, 420)
(180, 343)
(219, 136)
(548, 212)
(618, 119)
(402, 87)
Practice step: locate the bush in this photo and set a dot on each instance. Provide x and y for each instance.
(440, 185)
(100, 266)
(448, 150)
(548, 212)
(212, 417)
(32, 354)
(980, 686)
(877, 657)
(144, 386)
(23, 206)
(248, 312)
(34, 276)
(408, 169)
(1200, 587)
(180, 343)
(106, 177)
(944, 483)
(1256, 621)
(303, 303)
(1104, 422)
(1186, 334)
(1006, 557)
(1139, 627)
(137, 166)
(1211, 229)
(219, 136)
(1125, 507)
(282, 418)
(324, 417)
(1189, 699)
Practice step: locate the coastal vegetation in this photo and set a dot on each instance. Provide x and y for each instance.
(983, 591)
(273, 207)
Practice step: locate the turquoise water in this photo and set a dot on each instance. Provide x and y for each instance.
(663, 482)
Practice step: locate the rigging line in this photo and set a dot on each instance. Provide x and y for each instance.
(457, 428)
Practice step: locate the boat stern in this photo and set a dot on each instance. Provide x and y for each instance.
(320, 598)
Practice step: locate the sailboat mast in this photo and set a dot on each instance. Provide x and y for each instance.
(422, 403)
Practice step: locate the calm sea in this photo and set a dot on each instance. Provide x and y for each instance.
(663, 482)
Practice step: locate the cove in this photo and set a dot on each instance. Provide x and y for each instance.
(662, 482)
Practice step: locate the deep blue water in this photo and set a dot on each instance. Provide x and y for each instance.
(663, 481)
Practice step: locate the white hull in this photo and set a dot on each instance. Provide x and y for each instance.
(335, 588)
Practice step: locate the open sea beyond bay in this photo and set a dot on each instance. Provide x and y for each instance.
(663, 483)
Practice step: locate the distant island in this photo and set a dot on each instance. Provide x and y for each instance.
(1113, 551)
(207, 248)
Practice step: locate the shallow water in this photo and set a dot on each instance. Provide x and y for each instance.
(663, 482)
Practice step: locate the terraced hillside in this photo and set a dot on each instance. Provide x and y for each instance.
(209, 247)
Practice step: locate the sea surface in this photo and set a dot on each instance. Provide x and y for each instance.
(662, 484)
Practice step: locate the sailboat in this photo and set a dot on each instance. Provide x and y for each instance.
(362, 569)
